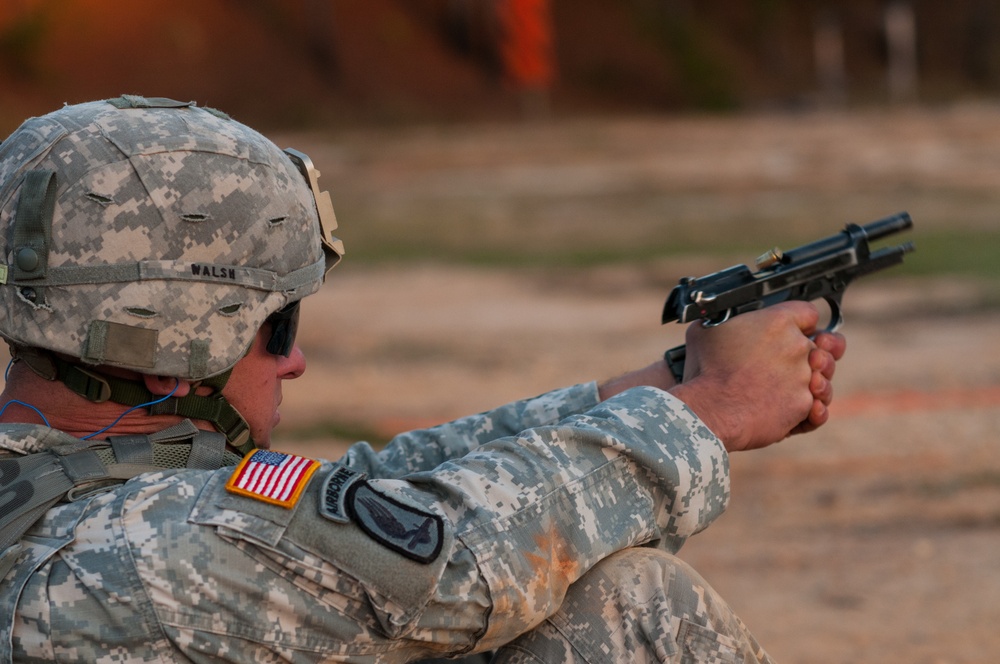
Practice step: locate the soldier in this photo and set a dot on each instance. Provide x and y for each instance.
(153, 257)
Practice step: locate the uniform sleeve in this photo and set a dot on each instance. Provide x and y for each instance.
(425, 449)
(523, 516)
(539, 509)
(465, 555)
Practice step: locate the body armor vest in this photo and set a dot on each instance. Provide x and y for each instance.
(32, 484)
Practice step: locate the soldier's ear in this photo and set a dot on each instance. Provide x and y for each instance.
(161, 386)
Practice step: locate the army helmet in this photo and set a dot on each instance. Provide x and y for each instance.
(154, 235)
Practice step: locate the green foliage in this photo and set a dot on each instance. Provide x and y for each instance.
(704, 77)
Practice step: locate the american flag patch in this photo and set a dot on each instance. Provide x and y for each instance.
(273, 477)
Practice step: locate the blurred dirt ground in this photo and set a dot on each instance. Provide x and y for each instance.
(874, 539)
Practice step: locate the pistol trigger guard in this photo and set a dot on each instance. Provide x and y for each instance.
(715, 322)
(836, 314)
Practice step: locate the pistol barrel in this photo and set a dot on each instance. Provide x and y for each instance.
(894, 224)
(851, 236)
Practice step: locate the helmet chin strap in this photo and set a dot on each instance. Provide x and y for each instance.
(98, 388)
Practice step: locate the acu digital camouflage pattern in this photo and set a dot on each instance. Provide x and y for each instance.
(639, 606)
(532, 495)
(176, 232)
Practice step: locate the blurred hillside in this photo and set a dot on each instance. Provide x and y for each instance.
(293, 63)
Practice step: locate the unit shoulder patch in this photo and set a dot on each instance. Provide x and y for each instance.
(407, 529)
(272, 477)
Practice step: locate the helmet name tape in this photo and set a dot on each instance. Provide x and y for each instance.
(215, 271)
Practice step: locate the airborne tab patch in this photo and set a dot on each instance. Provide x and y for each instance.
(272, 477)
(334, 505)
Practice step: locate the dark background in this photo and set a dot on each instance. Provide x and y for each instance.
(295, 63)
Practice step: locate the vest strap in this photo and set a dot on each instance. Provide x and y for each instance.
(30, 485)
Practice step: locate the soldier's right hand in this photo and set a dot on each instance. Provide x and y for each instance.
(759, 377)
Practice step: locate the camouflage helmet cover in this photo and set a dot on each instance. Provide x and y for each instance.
(151, 234)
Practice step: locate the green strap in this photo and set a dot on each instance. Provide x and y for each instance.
(32, 484)
(33, 233)
(33, 224)
(212, 408)
(132, 449)
(127, 273)
(99, 388)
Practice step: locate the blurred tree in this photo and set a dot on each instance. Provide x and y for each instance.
(451, 58)
(901, 39)
(675, 26)
(320, 41)
(981, 59)
(22, 38)
(304, 25)
(472, 29)
(829, 58)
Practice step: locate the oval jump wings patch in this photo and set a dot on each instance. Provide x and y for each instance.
(407, 530)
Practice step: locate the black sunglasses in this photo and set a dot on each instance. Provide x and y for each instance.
(284, 324)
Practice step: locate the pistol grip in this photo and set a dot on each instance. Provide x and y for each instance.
(675, 361)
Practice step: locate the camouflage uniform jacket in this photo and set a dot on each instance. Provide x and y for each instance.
(452, 539)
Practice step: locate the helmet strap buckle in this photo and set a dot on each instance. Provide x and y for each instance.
(91, 385)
